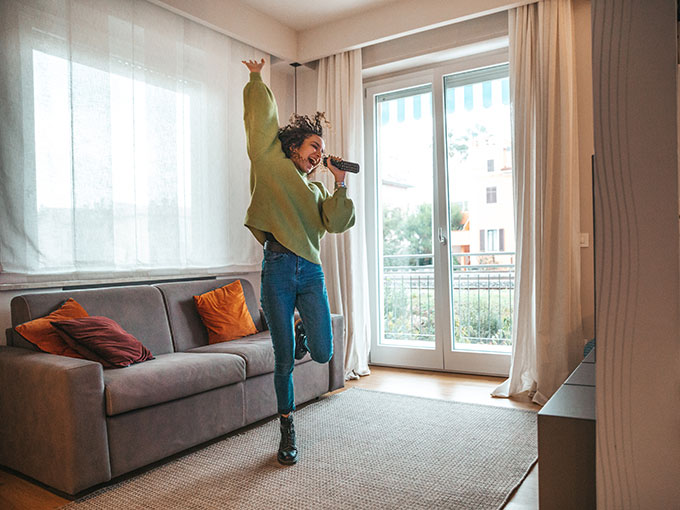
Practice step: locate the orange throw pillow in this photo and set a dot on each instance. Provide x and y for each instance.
(225, 314)
(42, 334)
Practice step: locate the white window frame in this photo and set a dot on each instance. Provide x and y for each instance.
(460, 361)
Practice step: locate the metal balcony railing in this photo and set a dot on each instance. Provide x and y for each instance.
(482, 288)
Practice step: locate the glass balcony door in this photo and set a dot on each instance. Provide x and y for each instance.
(438, 145)
(481, 219)
(404, 189)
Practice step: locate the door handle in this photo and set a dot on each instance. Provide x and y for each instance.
(442, 237)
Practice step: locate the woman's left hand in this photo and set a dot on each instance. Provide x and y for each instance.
(337, 173)
(253, 65)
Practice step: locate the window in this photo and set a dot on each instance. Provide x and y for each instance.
(491, 195)
(492, 240)
(122, 167)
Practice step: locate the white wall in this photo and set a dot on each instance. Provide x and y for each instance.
(637, 266)
(584, 84)
(283, 86)
(237, 20)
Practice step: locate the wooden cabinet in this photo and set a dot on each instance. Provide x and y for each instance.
(566, 443)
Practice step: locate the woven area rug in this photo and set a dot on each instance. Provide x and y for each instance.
(358, 449)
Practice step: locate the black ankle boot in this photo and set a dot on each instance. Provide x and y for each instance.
(300, 340)
(288, 453)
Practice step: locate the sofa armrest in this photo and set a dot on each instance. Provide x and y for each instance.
(53, 425)
(336, 366)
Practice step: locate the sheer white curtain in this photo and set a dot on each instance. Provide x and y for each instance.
(547, 327)
(344, 256)
(122, 147)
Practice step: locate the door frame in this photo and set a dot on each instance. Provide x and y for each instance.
(442, 357)
(423, 358)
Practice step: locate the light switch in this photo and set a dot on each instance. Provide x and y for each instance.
(584, 241)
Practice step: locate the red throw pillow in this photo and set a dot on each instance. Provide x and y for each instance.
(81, 349)
(105, 338)
(225, 314)
(40, 332)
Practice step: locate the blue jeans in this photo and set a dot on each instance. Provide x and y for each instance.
(290, 282)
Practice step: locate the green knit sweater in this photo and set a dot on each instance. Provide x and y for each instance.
(282, 200)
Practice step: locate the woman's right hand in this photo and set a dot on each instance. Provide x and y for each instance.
(254, 66)
(338, 174)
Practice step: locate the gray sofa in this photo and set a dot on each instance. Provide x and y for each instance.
(71, 425)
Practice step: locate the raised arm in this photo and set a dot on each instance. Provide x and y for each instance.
(259, 112)
(253, 65)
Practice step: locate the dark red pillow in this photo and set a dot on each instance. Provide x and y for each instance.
(81, 349)
(106, 339)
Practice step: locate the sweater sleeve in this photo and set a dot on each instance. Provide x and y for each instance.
(337, 211)
(260, 116)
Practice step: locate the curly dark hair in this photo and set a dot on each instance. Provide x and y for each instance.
(299, 128)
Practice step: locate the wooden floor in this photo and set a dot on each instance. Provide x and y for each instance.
(17, 493)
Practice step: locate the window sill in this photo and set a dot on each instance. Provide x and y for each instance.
(12, 282)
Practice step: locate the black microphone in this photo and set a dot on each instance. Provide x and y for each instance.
(345, 166)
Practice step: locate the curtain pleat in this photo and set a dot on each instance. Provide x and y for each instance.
(547, 326)
(343, 255)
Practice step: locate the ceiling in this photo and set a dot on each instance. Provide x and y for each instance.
(310, 14)
(304, 31)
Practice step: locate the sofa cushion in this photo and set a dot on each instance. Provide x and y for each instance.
(225, 314)
(169, 377)
(187, 329)
(256, 350)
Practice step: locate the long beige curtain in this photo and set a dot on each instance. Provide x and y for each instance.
(344, 256)
(547, 326)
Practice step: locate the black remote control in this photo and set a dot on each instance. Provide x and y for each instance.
(345, 166)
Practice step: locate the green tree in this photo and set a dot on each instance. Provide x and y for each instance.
(408, 233)
(456, 216)
(460, 147)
